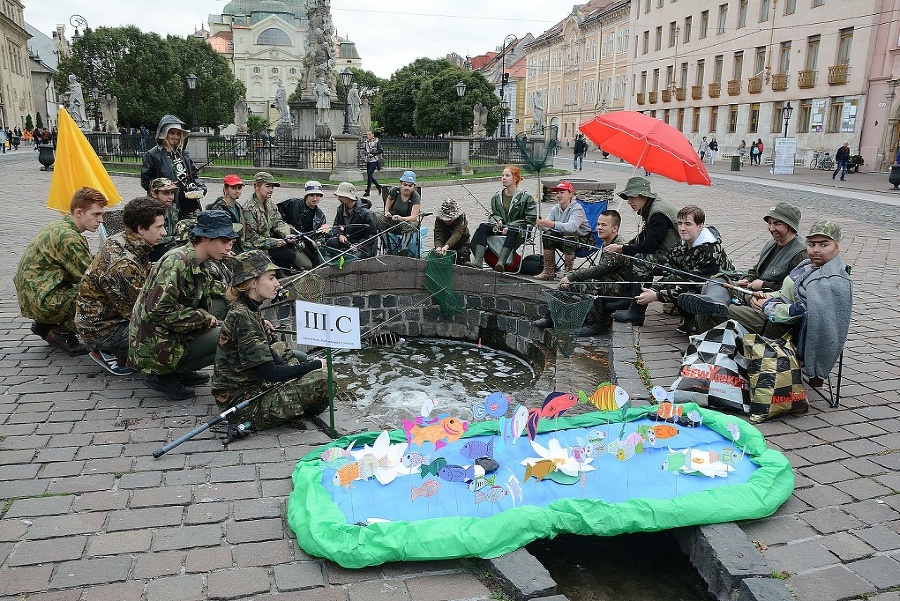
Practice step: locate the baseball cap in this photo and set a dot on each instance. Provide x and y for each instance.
(162, 183)
(266, 178)
(826, 228)
(563, 186)
(232, 180)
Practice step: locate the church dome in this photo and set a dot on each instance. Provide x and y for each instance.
(248, 7)
(272, 7)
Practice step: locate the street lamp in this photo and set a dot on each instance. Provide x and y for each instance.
(460, 92)
(504, 78)
(77, 21)
(346, 78)
(192, 86)
(788, 109)
(504, 112)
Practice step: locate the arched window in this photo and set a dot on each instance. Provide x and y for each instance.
(275, 70)
(273, 37)
(256, 69)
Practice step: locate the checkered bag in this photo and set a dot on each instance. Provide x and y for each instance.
(714, 372)
(776, 379)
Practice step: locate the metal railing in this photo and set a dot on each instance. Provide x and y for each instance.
(807, 78)
(268, 151)
(495, 151)
(838, 74)
(715, 89)
(779, 82)
(640, 97)
(754, 85)
(734, 87)
(117, 147)
(409, 152)
(696, 92)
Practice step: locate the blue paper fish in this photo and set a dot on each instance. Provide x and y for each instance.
(459, 473)
(495, 405)
(475, 449)
(414, 460)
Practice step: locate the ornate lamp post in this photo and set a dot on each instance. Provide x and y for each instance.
(788, 109)
(460, 92)
(192, 86)
(346, 78)
(504, 79)
(77, 21)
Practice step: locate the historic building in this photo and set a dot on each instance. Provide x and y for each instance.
(16, 95)
(580, 66)
(510, 90)
(730, 70)
(43, 55)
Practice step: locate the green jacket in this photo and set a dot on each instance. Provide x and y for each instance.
(455, 234)
(173, 307)
(243, 346)
(522, 210)
(263, 225)
(49, 272)
(111, 284)
(706, 258)
(609, 267)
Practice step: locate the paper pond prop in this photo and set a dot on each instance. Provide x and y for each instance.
(602, 473)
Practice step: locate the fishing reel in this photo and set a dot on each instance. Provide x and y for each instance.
(236, 432)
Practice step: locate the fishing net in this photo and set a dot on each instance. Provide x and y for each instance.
(537, 152)
(567, 311)
(439, 281)
(310, 288)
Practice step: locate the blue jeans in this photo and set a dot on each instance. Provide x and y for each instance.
(371, 167)
(579, 159)
(842, 167)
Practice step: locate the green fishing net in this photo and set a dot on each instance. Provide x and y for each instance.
(309, 288)
(537, 151)
(567, 310)
(439, 281)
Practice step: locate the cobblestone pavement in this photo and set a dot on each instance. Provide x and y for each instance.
(90, 515)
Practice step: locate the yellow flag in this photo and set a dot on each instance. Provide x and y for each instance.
(77, 165)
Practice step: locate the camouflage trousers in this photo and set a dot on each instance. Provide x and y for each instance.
(598, 312)
(308, 396)
(58, 307)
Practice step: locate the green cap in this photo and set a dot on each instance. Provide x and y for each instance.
(826, 228)
(266, 178)
(162, 183)
(637, 186)
(250, 265)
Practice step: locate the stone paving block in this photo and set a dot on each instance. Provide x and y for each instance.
(799, 557)
(23, 488)
(383, 590)
(121, 591)
(67, 595)
(140, 480)
(405, 569)
(152, 517)
(237, 473)
(12, 530)
(891, 480)
(226, 492)
(827, 473)
(131, 541)
(834, 433)
(77, 484)
(237, 583)
(254, 531)
(260, 457)
(185, 477)
(299, 576)
(880, 537)
(17, 581)
(179, 588)
(831, 584)
(62, 469)
(258, 508)
(208, 559)
(442, 587)
(882, 571)
(154, 565)
(763, 589)
(823, 496)
(47, 551)
(891, 596)
(102, 501)
(262, 554)
(160, 496)
(20, 471)
(521, 575)
(111, 465)
(276, 488)
(872, 511)
(773, 531)
(846, 546)
(206, 513)
(864, 466)
(106, 438)
(144, 462)
(860, 447)
(185, 537)
(65, 525)
(91, 571)
(54, 428)
(863, 488)
(40, 506)
(830, 519)
(19, 456)
(822, 453)
(56, 454)
(338, 575)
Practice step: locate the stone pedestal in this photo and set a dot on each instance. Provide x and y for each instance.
(198, 146)
(346, 170)
(459, 155)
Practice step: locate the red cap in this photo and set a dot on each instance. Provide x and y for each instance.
(563, 186)
(233, 180)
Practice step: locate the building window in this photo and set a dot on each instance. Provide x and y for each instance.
(646, 6)
(818, 3)
(704, 24)
(778, 117)
(738, 64)
(784, 57)
(790, 7)
(844, 43)
(688, 23)
(713, 117)
(717, 69)
(701, 64)
(660, 3)
(764, 9)
(760, 65)
(742, 14)
(673, 33)
(655, 80)
(804, 115)
(812, 52)
(659, 37)
(257, 70)
(643, 82)
(646, 43)
(695, 125)
(680, 124)
(754, 118)
(273, 37)
(275, 70)
(723, 17)
(732, 118)
(834, 114)
(292, 71)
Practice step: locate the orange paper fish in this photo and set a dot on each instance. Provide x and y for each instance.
(346, 474)
(440, 431)
(608, 397)
(667, 410)
(665, 431)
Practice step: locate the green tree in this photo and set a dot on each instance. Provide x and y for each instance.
(438, 106)
(257, 124)
(217, 89)
(38, 122)
(29, 124)
(395, 106)
(369, 84)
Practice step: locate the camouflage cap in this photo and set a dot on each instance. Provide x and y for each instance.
(826, 228)
(266, 178)
(162, 183)
(250, 265)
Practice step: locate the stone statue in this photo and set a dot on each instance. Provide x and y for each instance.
(240, 115)
(76, 102)
(281, 103)
(323, 101)
(479, 122)
(353, 105)
(109, 111)
(537, 101)
(365, 115)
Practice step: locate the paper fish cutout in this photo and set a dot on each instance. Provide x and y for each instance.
(661, 395)
(669, 411)
(608, 397)
(346, 474)
(696, 462)
(734, 431)
(481, 482)
(382, 460)
(440, 430)
(494, 494)
(539, 469)
(414, 460)
(428, 489)
(495, 405)
(334, 455)
(460, 473)
(433, 468)
(554, 405)
(475, 449)
(515, 489)
(512, 429)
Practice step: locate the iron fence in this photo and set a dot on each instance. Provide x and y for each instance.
(119, 147)
(495, 151)
(409, 152)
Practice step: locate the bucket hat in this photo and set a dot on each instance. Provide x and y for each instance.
(250, 265)
(215, 224)
(313, 187)
(826, 228)
(347, 190)
(450, 210)
(785, 212)
(637, 186)
(408, 176)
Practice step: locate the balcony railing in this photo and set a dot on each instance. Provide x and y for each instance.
(666, 95)
(696, 92)
(651, 97)
(640, 98)
(779, 82)
(715, 89)
(807, 78)
(734, 87)
(838, 74)
(754, 85)
(679, 94)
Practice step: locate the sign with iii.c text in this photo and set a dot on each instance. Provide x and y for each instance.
(327, 325)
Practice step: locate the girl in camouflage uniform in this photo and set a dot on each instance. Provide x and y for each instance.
(246, 359)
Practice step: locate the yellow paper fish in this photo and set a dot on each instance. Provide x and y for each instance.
(609, 397)
(346, 474)
(539, 469)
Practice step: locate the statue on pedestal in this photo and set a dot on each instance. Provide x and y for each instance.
(281, 103)
(537, 101)
(109, 111)
(240, 115)
(353, 105)
(76, 103)
(479, 122)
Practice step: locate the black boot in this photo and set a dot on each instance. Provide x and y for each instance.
(543, 322)
(635, 312)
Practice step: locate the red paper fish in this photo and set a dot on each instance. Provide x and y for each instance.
(554, 405)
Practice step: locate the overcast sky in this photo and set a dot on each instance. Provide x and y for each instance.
(386, 37)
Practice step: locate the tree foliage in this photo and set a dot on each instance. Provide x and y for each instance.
(147, 75)
(369, 84)
(438, 107)
(29, 124)
(394, 108)
(38, 121)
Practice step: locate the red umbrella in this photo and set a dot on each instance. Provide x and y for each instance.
(649, 143)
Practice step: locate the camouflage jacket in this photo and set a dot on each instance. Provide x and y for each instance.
(243, 346)
(56, 258)
(111, 284)
(170, 220)
(705, 259)
(609, 267)
(172, 307)
(263, 225)
(237, 216)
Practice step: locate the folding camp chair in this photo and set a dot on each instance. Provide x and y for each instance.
(588, 256)
(514, 263)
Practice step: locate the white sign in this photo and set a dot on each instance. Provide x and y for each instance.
(327, 325)
(785, 150)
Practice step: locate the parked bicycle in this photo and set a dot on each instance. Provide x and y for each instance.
(822, 160)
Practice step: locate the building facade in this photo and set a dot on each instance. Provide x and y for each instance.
(16, 95)
(580, 67)
(730, 70)
(43, 54)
